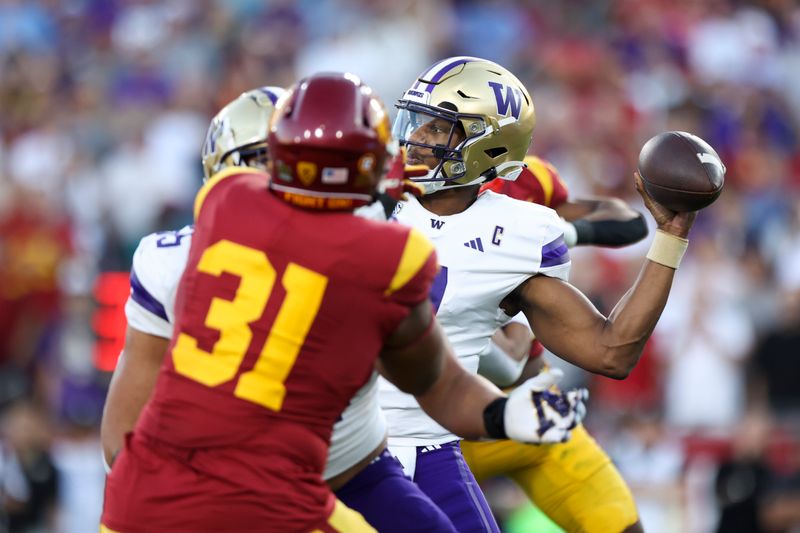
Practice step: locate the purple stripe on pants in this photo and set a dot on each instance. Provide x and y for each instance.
(444, 476)
(391, 502)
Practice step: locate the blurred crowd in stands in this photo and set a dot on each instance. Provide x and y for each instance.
(104, 106)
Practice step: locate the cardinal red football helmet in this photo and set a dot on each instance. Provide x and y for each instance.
(329, 141)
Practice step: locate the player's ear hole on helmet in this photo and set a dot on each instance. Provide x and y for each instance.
(459, 133)
(496, 152)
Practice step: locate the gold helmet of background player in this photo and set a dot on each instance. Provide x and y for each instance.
(237, 135)
(483, 117)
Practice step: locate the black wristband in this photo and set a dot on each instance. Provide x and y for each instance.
(494, 419)
(584, 231)
(610, 232)
(388, 204)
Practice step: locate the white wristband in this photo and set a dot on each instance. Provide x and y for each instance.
(667, 249)
(499, 367)
(106, 466)
(570, 233)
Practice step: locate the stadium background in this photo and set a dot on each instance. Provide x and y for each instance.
(103, 108)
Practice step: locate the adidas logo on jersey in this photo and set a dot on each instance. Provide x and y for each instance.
(475, 244)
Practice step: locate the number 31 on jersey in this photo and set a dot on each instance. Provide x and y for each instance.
(264, 383)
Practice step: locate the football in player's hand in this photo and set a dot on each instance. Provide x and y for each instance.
(681, 171)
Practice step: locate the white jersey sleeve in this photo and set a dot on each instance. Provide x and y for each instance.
(158, 263)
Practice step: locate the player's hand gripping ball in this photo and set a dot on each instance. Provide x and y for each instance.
(681, 171)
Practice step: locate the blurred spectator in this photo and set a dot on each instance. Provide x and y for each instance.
(30, 482)
(779, 510)
(34, 243)
(395, 30)
(742, 480)
(776, 364)
(651, 461)
(710, 334)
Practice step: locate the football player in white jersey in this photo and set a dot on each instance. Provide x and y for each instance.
(469, 121)
(362, 472)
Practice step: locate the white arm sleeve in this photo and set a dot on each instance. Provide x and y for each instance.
(499, 367)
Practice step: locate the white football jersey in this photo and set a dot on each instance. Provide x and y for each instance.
(159, 262)
(485, 252)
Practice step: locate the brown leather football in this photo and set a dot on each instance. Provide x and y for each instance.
(681, 171)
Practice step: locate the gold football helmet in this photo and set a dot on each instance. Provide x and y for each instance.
(469, 120)
(237, 135)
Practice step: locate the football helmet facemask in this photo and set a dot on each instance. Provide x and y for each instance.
(469, 120)
(237, 135)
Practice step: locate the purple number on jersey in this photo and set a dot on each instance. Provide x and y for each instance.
(169, 239)
(438, 287)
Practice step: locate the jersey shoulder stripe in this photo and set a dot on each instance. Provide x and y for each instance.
(555, 253)
(156, 269)
(215, 180)
(416, 253)
(142, 296)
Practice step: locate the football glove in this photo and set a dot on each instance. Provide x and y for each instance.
(397, 183)
(536, 411)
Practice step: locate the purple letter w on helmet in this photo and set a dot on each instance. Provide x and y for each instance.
(512, 98)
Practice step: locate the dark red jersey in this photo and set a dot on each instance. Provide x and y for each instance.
(539, 184)
(280, 316)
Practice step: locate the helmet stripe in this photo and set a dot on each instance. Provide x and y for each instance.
(273, 93)
(444, 70)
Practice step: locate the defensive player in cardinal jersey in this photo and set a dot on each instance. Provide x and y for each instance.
(359, 468)
(282, 281)
(470, 121)
(574, 483)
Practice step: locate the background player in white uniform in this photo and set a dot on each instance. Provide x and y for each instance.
(158, 264)
(358, 465)
(470, 121)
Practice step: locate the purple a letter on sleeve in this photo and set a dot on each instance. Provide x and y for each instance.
(145, 299)
(555, 253)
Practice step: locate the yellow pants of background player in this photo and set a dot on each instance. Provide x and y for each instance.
(574, 483)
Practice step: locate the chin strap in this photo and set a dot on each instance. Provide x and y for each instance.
(516, 169)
